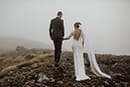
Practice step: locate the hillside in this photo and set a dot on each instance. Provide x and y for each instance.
(24, 68)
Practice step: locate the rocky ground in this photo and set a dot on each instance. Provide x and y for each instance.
(23, 68)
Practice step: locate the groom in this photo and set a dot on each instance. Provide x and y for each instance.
(56, 31)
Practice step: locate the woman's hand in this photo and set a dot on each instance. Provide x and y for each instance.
(65, 38)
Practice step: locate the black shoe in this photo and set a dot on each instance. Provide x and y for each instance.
(56, 64)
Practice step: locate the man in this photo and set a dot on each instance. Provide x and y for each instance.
(56, 32)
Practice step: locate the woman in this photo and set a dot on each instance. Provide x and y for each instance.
(79, 40)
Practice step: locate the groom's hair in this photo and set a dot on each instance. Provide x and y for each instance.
(77, 24)
(59, 13)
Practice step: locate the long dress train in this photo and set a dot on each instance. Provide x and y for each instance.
(93, 63)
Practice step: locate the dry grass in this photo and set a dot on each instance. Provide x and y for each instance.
(37, 61)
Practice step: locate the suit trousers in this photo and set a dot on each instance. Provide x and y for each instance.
(58, 47)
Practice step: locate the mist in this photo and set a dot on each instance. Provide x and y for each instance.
(107, 21)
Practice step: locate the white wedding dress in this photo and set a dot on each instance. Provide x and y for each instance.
(79, 59)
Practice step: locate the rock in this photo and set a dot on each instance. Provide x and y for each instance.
(29, 83)
(106, 83)
(35, 75)
(120, 67)
(52, 80)
(60, 82)
(69, 84)
(30, 56)
(42, 77)
(20, 49)
(118, 77)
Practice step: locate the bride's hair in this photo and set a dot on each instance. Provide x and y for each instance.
(77, 24)
(77, 31)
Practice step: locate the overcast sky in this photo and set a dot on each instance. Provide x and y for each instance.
(107, 21)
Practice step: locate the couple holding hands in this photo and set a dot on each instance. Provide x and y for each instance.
(80, 41)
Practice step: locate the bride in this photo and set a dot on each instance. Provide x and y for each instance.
(79, 42)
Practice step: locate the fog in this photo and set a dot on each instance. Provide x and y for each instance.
(107, 21)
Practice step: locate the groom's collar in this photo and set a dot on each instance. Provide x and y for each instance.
(58, 17)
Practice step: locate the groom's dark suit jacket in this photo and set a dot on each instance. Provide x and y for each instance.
(56, 29)
(56, 32)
